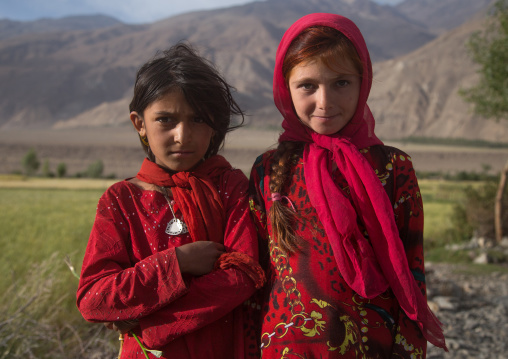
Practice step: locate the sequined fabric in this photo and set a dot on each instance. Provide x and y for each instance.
(130, 271)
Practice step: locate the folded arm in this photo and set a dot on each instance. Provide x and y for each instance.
(214, 295)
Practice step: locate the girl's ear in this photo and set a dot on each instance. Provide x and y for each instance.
(139, 123)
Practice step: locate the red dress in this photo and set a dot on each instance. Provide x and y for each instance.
(130, 271)
(308, 310)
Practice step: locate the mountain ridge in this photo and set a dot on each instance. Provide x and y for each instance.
(13, 28)
(84, 77)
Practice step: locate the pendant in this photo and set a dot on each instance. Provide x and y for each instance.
(176, 227)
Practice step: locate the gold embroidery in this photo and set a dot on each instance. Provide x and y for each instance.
(312, 324)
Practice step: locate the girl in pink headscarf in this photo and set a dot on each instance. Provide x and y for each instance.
(341, 214)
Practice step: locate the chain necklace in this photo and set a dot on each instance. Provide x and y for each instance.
(175, 226)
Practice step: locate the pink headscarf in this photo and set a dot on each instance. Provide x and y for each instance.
(371, 266)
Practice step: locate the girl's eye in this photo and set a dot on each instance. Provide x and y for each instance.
(342, 83)
(306, 86)
(166, 121)
(199, 120)
(163, 119)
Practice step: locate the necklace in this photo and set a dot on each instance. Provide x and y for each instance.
(175, 226)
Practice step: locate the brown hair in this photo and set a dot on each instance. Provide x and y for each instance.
(333, 48)
(181, 68)
(281, 216)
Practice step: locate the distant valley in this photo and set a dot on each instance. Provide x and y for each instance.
(78, 72)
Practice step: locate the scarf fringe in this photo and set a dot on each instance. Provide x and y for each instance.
(433, 330)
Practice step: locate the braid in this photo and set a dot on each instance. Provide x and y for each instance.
(281, 216)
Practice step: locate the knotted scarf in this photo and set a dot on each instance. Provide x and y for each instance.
(202, 208)
(368, 266)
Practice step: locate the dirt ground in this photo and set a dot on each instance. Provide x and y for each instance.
(121, 153)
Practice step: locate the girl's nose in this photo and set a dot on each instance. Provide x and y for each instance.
(183, 133)
(323, 98)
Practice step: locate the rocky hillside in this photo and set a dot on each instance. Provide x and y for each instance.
(10, 28)
(417, 94)
(56, 76)
(76, 78)
(435, 14)
(472, 307)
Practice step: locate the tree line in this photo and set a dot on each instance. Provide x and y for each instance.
(489, 97)
(31, 165)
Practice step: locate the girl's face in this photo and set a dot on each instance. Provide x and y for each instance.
(324, 99)
(178, 138)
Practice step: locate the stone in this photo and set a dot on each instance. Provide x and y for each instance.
(445, 303)
(475, 319)
(483, 258)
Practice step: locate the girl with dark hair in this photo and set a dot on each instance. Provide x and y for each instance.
(173, 251)
(340, 213)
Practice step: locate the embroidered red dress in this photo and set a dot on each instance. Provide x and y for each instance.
(309, 311)
(130, 271)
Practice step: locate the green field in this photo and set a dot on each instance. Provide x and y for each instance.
(43, 221)
(439, 199)
(40, 222)
(42, 217)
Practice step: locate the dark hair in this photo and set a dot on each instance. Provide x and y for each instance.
(181, 68)
(332, 47)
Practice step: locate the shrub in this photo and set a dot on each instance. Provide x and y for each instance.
(475, 215)
(30, 162)
(46, 170)
(61, 170)
(95, 169)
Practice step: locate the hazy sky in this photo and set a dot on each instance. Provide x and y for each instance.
(129, 11)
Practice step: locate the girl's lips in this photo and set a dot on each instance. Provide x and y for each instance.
(182, 153)
(324, 118)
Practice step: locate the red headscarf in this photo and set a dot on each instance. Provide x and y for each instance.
(368, 266)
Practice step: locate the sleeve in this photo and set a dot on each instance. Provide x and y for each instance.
(408, 210)
(112, 287)
(253, 316)
(211, 296)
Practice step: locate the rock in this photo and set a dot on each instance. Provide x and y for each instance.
(446, 303)
(482, 259)
(433, 306)
(473, 309)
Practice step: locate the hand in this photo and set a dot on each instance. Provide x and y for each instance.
(198, 258)
(122, 327)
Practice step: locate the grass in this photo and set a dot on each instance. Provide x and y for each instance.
(44, 216)
(20, 181)
(439, 199)
(35, 323)
(456, 142)
(39, 222)
(482, 269)
(44, 220)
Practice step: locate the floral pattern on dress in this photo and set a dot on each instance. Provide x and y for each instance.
(308, 310)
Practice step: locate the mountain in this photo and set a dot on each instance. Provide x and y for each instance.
(83, 78)
(417, 94)
(435, 14)
(10, 28)
(56, 76)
